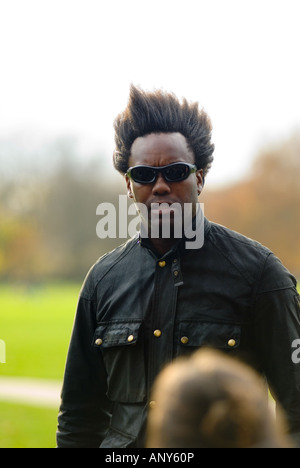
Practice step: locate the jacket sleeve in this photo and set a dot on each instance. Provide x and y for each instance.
(85, 410)
(277, 326)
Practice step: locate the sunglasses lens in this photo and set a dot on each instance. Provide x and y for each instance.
(177, 172)
(172, 173)
(144, 175)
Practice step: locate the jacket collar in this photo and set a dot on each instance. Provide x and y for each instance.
(185, 244)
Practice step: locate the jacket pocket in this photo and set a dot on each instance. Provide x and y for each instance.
(192, 334)
(127, 426)
(121, 347)
(116, 439)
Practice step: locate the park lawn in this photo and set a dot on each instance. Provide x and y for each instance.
(36, 324)
(24, 426)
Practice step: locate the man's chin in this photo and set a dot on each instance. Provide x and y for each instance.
(165, 227)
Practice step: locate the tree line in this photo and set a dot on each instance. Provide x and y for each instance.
(265, 205)
(48, 208)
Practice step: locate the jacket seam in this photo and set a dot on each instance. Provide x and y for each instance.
(102, 275)
(274, 290)
(255, 288)
(125, 434)
(246, 278)
(121, 256)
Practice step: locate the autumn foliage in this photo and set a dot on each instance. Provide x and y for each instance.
(48, 219)
(266, 205)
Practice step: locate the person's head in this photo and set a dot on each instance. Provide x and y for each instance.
(159, 131)
(211, 401)
(161, 112)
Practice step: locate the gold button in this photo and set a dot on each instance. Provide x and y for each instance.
(162, 264)
(231, 343)
(98, 342)
(130, 338)
(152, 404)
(184, 340)
(157, 333)
(176, 273)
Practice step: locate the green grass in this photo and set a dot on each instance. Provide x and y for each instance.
(36, 325)
(27, 427)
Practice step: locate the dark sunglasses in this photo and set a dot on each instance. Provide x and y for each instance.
(175, 172)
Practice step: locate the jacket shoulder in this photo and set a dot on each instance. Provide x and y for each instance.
(228, 237)
(243, 253)
(103, 265)
(255, 262)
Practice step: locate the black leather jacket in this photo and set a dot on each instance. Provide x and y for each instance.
(137, 311)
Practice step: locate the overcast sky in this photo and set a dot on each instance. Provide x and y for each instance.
(66, 68)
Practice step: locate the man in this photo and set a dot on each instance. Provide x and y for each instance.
(155, 298)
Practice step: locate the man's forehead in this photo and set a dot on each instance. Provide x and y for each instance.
(150, 148)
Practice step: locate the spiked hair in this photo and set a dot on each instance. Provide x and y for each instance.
(162, 112)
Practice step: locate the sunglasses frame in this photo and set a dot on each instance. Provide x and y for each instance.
(161, 169)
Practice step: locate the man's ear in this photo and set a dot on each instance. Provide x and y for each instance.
(200, 180)
(129, 188)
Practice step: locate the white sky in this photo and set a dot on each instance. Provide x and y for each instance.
(66, 67)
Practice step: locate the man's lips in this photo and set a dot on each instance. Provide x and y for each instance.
(161, 202)
(161, 207)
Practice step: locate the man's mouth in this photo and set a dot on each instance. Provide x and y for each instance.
(159, 209)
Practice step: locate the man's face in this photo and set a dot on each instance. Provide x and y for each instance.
(160, 150)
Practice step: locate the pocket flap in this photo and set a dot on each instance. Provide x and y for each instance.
(217, 335)
(118, 439)
(110, 334)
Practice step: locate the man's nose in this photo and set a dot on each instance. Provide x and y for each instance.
(161, 186)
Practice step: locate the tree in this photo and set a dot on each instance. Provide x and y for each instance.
(265, 206)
